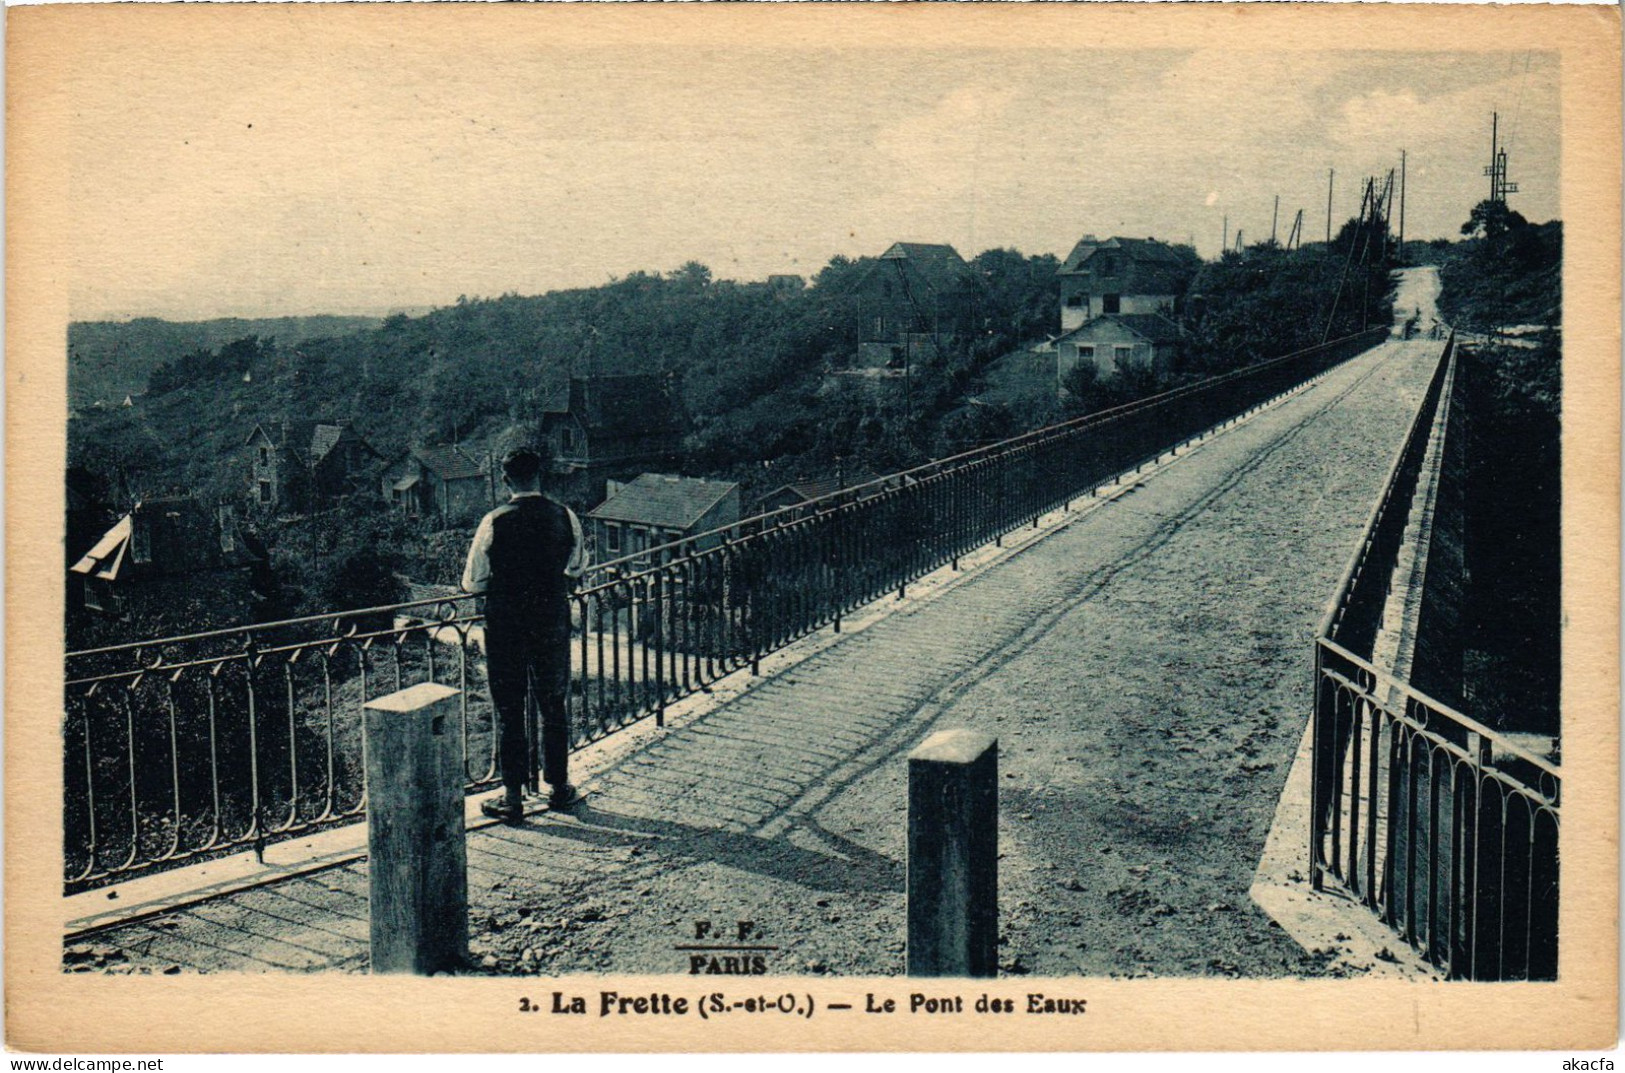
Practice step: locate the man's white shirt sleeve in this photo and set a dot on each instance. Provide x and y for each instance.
(578, 555)
(477, 571)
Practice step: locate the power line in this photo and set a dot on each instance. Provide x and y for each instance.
(1517, 104)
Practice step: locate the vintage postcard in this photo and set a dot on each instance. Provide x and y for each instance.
(812, 527)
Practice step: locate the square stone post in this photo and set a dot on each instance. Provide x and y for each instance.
(953, 855)
(417, 858)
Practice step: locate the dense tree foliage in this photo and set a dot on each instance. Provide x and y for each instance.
(749, 362)
(1265, 300)
(237, 358)
(1088, 393)
(1510, 273)
(111, 359)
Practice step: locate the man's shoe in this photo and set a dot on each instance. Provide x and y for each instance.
(500, 808)
(564, 798)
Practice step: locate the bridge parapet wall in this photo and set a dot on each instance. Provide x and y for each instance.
(1445, 829)
(1437, 667)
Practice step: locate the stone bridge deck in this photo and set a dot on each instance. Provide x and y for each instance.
(1143, 659)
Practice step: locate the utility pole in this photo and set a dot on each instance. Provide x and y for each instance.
(1497, 170)
(1402, 206)
(1368, 204)
(1224, 235)
(1388, 210)
(1275, 217)
(1331, 174)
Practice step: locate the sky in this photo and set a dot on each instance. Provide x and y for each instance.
(280, 175)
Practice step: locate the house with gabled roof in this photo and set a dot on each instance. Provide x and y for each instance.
(172, 564)
(603, 424)
(1123, 276)
(914, 297)
(658, 508)
(798, 492)
(444, 484)
(1119, 341)
(306, 465)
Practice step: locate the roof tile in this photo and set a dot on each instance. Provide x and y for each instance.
(449, 463)
(666, 502)
(1152, 327)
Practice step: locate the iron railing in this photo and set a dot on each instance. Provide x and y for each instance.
(189, 746)
(1444, 828)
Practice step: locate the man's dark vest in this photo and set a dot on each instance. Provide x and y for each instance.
(531, 541)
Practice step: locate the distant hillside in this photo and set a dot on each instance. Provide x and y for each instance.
(108, 360)
(462, 373)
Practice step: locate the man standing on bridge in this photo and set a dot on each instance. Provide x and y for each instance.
(525, 558)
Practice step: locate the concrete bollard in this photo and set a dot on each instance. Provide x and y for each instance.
(953, 855)
(417, 858)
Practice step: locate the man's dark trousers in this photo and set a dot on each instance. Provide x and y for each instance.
(515, 653)
(527, 635)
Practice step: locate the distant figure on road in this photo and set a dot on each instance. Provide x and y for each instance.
(525, 558)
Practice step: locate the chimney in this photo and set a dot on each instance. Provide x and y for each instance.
(140, 534)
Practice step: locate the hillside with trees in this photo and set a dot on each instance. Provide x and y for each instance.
(1506, 272)
(108, 360)
(757, 369)
(1266, 300)
(748, 361)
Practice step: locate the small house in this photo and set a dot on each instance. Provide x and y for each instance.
(607, 423)
(306, 465)
(172, 564)
(439, 484)
(658, 508)
(1118, 341)
(795, 494)
(914, 299)
(1122, 275)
